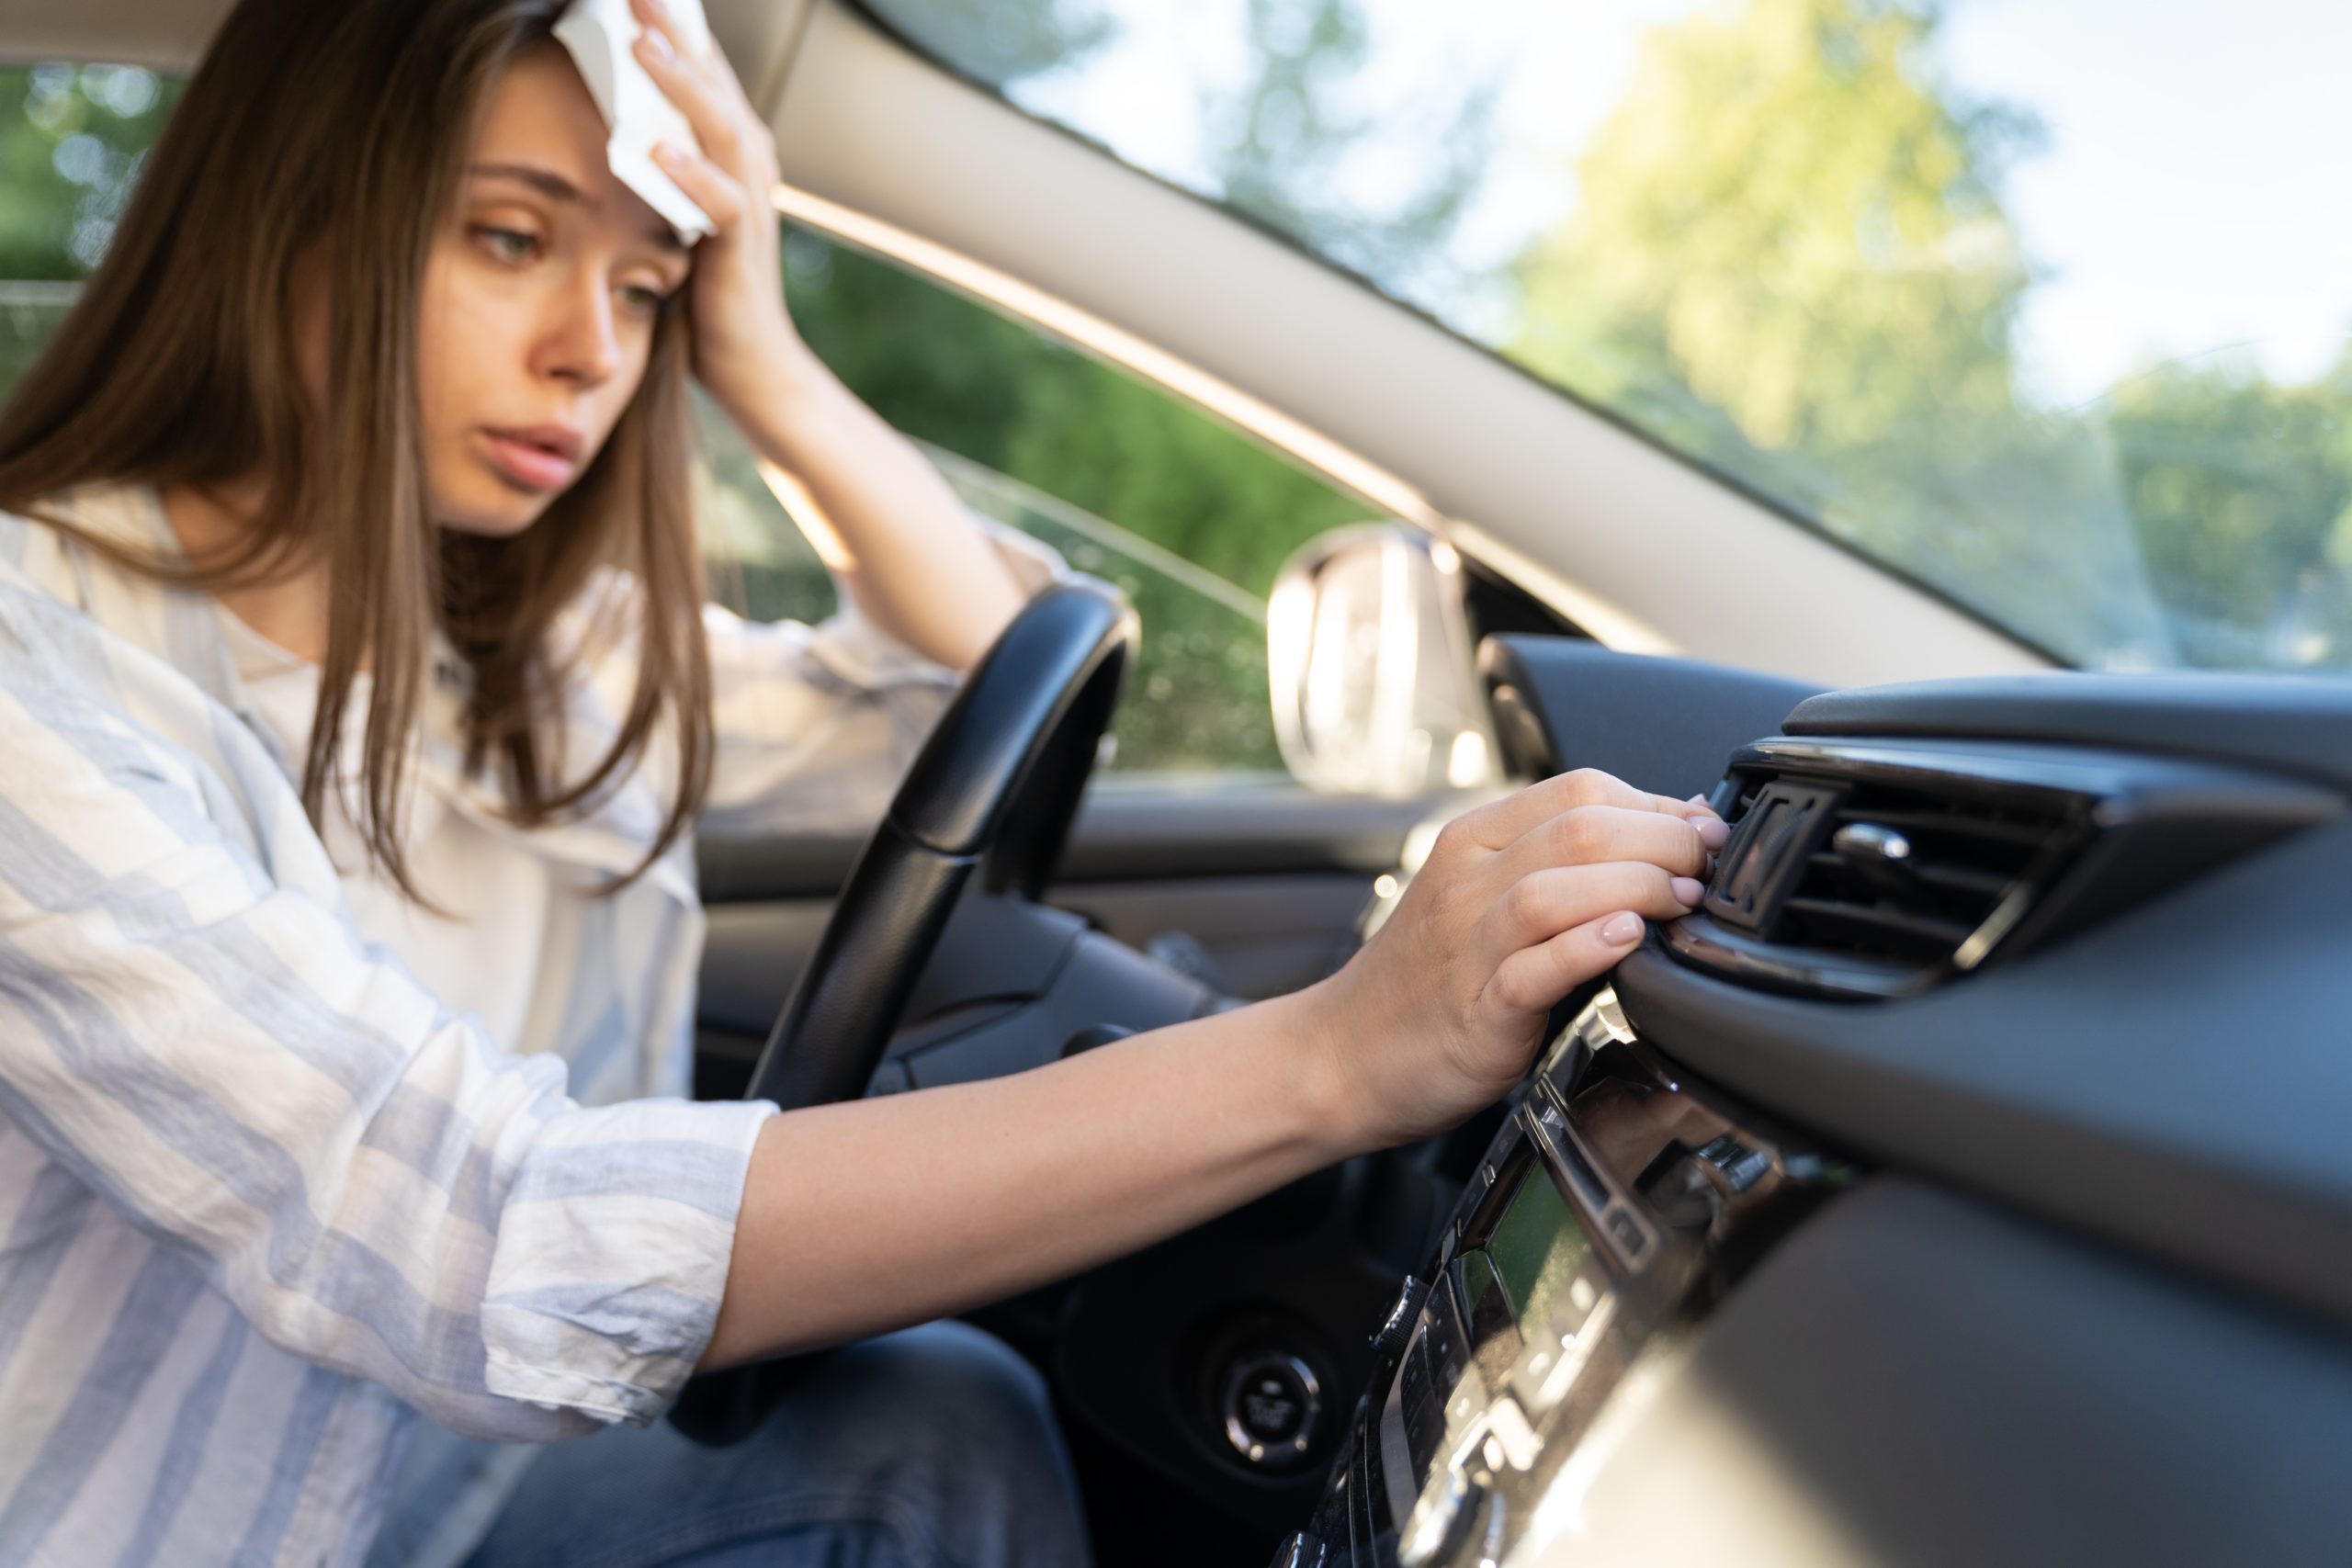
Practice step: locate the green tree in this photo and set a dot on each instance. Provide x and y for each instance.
(1781, 195)
(954, 373)
(1789, 258)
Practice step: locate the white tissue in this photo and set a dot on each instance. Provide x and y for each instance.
(600, 35)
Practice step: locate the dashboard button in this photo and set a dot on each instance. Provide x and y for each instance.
(1628, 1234)
(1272, 1399)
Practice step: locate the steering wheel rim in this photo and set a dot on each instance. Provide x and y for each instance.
(992, 793)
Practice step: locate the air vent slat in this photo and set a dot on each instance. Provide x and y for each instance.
(1869, 924)
(1965, 881)
(2026, 835)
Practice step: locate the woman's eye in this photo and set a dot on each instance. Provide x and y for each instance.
(508, 244)
(644, 301)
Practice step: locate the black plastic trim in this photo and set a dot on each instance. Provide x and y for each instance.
(2123, 827)
(2296, 723)
(1911, 1378)
(1662, 724)
(1129, 830)
(2177, 1078)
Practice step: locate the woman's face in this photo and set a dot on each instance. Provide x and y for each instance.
(540, 299)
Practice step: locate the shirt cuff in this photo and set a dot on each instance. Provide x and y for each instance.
(612, 1255)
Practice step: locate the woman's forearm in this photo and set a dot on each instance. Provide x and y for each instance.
(870, 1216)
(909, 552)
(865, 1216)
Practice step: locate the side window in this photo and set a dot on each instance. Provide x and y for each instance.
(1187, 516)
(73, 139)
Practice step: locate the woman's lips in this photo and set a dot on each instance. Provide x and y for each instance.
(526, 463)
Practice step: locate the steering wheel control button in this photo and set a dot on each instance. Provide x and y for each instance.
(1272, 1400)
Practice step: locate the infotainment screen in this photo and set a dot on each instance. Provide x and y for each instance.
(1536, 1247)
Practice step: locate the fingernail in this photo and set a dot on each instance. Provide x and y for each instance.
(1700, 801)
(1714, 831)
(1687, 890)
(1621, 931)
(655, 44)
(665, 153)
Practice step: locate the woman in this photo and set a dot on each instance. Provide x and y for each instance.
(355, 701)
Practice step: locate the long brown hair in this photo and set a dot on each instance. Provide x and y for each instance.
(339, 131)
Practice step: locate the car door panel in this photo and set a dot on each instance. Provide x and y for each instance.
(1254, 885)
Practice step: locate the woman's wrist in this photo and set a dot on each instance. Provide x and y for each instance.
(778, 403)
(1330, 1047)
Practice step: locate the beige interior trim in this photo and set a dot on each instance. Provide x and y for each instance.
(1349, 470)
(166, 35)
(1638, 539)
(170, 35)
(759, 40)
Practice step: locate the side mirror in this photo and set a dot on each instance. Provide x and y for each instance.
(1375, 683)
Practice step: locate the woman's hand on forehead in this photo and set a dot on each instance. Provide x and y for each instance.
(743, 338)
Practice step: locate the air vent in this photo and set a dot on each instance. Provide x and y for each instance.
(1855, 881)
(1872, 869)
(1909, 876)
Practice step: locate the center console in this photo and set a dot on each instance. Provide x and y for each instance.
(1615, 1204)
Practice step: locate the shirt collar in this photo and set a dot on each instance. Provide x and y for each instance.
(611, 838)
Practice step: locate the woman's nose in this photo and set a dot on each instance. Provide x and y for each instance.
(582, 342)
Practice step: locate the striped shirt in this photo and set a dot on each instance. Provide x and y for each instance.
(268, 1186)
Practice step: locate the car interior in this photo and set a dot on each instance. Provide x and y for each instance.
(1964, 1182)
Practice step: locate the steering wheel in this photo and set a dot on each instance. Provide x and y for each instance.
(993, 793)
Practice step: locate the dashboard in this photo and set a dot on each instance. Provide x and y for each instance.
(1966, 1181)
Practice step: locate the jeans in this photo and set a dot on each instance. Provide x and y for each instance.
(931, 1448)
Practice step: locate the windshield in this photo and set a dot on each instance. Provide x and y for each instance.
(2044, 305)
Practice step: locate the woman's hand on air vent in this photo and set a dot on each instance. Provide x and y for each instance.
(1519, 902)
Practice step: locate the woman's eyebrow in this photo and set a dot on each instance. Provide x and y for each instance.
(555, 188)
(546, 182)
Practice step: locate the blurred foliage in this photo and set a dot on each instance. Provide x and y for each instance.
(2241, 495)
(1065, 429)
(1282, 142)
(72, 142)
(1789, 259)
(1775, 201)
